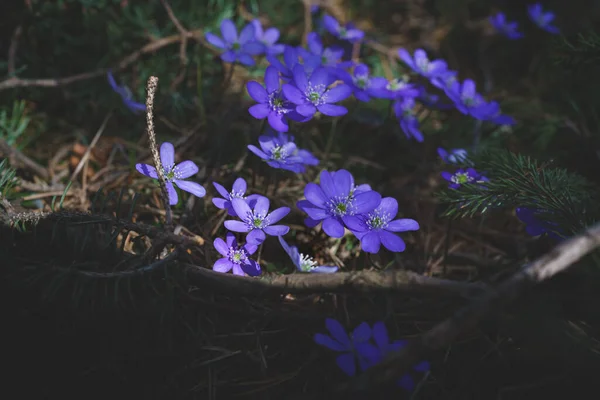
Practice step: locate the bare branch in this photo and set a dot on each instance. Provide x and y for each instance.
(341, 282)
(19, 159)
(12, 50)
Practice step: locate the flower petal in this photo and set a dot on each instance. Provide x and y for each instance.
(361, 333)
(326, 181)
(239, 186)
(257, 92)
(343, 181)
(241, 209)
(389, 205)
(355, 223)
(333, 228)
(347, 363)
(228, 31)
(332, 110)
(338, 93)
(380, 335)
(147, 170)
(306, 110)
(236, 226)
(215, 40)
(251, 268)
(222, 265)
(371, 243)
(276, 230)
(271, 79)
(173, 198)
(277, 121)
(186, 169)
(324, 269)
(320, 78)
(329, 342)
(191, 187)
(406, 382)
(338, 332)
(260, 111)
(277, 214)
(167, 155)
(293, 94)
(366, 201)
(392, 242)
(247, 34)
(262, 206)
(256, 236)
(315, 195)
(402, 225)
(221, 246)
(300, 78)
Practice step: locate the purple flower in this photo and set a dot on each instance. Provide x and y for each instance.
(361, 84)
(303, 262)
(271, 103)
(257, 222)
(235, 257)
(334, 200)
(280, 151)
(376, 227)
(469, 102)
(174, 174)
(395, 89)
(462, 176)
(328, 57)
(497, 118)
(347, 32)
(237, 192)
(506, 28)
(126, 95)
(444, 80)
(240, 49)
(353, 347)
(404, 110)
(290, 59)
(384, 347)
(421, 64)
(311, 93)
(432, 100)
(267, 38)
(542, 19)
(534, 226)
(454, 156)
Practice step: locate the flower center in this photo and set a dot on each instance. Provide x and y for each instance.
(343, 32)
(237, 256)
(236, 195)
(396, 84)
(307, 263)
(171, 172)
(278, 153)
(277, 103)
(470, 101)
(378, 219)
(423, 65)
(462, 177)
(314, 94)
(256, 221)
(236, 46)
(361, 81)
(340, 206)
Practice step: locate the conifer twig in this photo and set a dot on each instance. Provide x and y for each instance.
(150, 92)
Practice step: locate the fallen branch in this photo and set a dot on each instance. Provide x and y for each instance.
(340, 282)
(18, 159)
(443, 334)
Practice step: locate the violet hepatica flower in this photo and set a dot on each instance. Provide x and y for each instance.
(237, 192)
(462, 176)
(362, 85)
(395, 89)
(353, 347)
(378, 227)
(420, 63)
(271, 103)
(174, 174)
(469, 102)
(267, 38)
(235, 257)
(290, 59)
(444, 80)
(257, 221)
(535, 226)
(404, 110)
(303, 262)
(454, 156)
(347, 32)
(504, 27)
(280, 151)
(334, 200)
(384, 347)
(328, 57)
(237, 48)
(542, 19)
(311, 93)
(126, 95)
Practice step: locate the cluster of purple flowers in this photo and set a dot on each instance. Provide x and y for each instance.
(542, 19)
(337, 203)
(367, 345)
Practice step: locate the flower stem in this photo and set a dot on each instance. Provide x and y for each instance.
(329, 144)
(151, 91)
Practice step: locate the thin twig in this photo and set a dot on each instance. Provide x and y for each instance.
(88, 151)
(182, 45)
(12, 50)
(443, 334)
(341, 282)
(150, 92)
(20, 159)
